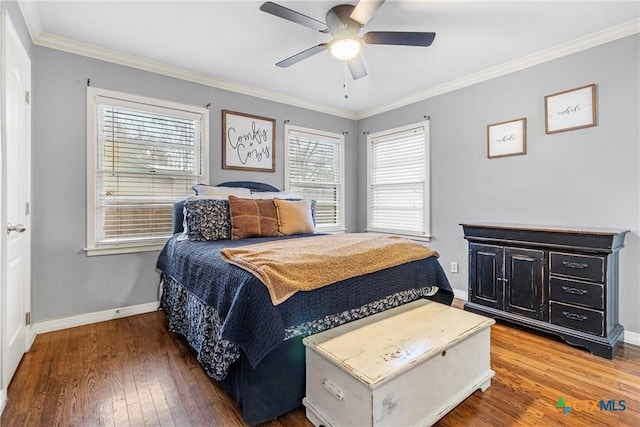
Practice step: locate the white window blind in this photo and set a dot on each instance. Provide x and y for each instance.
(398, 178)
(314, 170)
(146, 155)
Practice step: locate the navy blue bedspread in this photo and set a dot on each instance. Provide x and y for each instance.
(251, 321)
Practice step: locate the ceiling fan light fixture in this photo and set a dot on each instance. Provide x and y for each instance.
(344, 23)
(345, 49)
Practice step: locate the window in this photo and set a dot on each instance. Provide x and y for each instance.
(142, 156)
(398, 181)
(314, 169)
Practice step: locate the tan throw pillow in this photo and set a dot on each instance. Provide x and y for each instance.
(294, 216)
(252, 218)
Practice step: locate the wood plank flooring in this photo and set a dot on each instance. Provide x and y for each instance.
(132, 372)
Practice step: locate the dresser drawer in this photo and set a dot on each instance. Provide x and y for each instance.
(574, 292)
(580, 266)
(581, 319)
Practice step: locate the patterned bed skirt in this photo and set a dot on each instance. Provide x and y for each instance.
(201, 325)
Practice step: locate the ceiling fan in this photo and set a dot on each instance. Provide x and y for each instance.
(343, 23)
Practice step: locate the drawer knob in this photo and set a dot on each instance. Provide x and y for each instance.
(578, 265)
(574, 291)
(574, 316)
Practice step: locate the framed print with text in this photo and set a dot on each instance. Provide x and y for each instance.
(507, 138)
(248, 142)
(570, 109)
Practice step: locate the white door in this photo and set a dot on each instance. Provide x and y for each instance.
(16, 135)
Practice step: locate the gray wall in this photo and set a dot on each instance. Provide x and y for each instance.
(587, 177)
(65, 281)
(584, 178)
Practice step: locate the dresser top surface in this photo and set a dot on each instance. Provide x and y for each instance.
(381, 346)
(548, 228)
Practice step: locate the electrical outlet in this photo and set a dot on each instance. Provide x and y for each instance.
(454, 267)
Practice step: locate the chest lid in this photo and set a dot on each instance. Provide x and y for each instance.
(382, 346)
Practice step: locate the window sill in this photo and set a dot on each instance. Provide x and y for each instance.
(406, 236)
(117, 250)
(332, 231)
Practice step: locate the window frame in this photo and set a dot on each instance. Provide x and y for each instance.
(152, 105)
(427, 235)
(340, 226)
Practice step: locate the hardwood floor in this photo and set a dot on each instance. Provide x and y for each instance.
(131, 371)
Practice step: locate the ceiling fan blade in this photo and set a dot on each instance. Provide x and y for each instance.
(302, 55)
(364, 10)
(293, 16)
(356, 67)
(399, 38)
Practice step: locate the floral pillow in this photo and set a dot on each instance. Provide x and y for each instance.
(207, 219)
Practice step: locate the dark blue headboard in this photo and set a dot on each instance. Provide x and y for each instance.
(253, 186)
(178, 207)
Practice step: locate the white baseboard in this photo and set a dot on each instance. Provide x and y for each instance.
(30, 337)
(463, 295)
(632, 338)
(89, 318)
(101, 316)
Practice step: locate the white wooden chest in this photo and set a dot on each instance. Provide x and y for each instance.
(407, 366)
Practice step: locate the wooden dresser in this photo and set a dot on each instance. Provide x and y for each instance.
(558, 280)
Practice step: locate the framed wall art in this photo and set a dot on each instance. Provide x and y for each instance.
(570, 109)
(248, 142)
(507, 138)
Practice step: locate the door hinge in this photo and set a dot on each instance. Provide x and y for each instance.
(27, 318)
(27, 97)
(27, 208)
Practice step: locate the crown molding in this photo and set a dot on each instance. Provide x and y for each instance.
(601, 37)
(31, 18)
(40, 38)
(108, 55)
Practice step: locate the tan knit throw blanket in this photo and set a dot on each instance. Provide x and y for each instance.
(307, 263)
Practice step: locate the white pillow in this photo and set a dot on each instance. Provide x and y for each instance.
(273, 194)
(212, 192)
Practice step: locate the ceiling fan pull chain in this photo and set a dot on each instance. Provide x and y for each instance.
(344, 83)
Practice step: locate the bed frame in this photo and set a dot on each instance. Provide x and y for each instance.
(277, 384)
(261, 395)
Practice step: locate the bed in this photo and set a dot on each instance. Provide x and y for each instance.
(252, 346)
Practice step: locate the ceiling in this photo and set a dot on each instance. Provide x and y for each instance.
(233, 45)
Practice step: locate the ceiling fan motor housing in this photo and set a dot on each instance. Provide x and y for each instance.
(339, 21)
